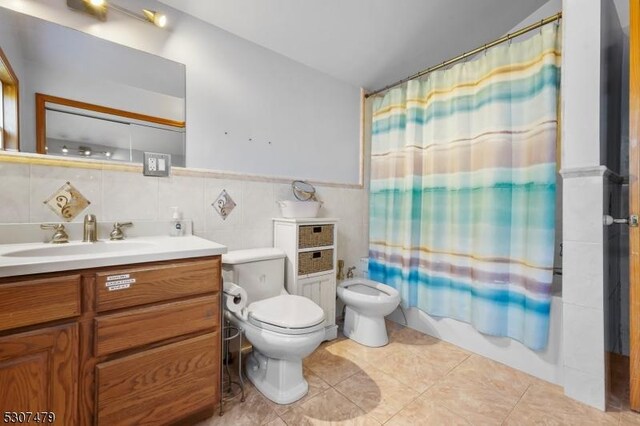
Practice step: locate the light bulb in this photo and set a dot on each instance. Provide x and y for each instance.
(158, 19)
(65, 149)
(96, 3)
(161, 20)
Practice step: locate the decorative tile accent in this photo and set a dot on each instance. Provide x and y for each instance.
(224, 204)
(67, 202)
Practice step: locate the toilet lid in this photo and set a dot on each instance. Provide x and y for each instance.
(287, 311)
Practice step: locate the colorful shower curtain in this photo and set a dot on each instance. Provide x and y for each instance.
(462, 196)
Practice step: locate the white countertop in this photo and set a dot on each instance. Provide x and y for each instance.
(134, 250)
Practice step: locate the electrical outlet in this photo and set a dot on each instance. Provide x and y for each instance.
(157, 164)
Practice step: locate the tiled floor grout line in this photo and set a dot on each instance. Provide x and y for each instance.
(422, 393)
(437, 382)
(457, 365)
(516, 404)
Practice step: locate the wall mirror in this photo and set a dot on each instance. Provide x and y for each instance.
(83, 96)
(79, 129)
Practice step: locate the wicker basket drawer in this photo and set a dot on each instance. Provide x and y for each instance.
(315, 261)
(315, 236)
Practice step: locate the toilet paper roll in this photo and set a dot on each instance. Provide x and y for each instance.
(235, 297)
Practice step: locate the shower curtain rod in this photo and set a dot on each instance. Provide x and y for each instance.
(486, 46)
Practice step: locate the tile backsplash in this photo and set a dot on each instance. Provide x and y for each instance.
(130, 196)
(67, 202)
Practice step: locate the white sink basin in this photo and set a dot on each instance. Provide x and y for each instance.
(35, 258)
(75, 249)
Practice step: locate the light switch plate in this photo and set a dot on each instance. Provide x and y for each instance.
(157, 164)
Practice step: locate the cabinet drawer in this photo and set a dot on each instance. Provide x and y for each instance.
(315, 236)
(138, 327)
(36, 301)
(311, 262)
(160, 385)
(121, 288)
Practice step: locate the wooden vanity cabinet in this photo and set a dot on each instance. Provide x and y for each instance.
(122, 345)
(38, 372)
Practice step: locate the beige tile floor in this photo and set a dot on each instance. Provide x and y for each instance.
(419, 380)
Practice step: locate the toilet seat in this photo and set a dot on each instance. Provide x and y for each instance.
(286, 314)
(369, 290)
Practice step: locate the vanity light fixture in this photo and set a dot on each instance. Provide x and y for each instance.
(83, 150)
(98, 9)
(95, 8)
(107, 154)
(157, 19)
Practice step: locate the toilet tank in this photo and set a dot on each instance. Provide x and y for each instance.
(260, 272)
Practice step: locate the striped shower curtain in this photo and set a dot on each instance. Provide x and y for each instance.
(463, 180)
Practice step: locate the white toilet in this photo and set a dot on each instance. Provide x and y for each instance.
(282, 328)
(367, 303)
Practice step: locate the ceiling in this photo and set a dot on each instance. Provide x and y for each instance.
(368, 43)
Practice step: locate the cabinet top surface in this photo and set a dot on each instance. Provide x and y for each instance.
(36, 258)
(307, 220)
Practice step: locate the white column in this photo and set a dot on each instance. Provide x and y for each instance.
(587, 27)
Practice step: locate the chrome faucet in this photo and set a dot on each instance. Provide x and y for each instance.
(60, 236)
(90, 232)
(117, 233)
(350, 271)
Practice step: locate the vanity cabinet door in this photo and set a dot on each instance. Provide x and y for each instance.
(161, 385)
(322, 290)
(38, 371)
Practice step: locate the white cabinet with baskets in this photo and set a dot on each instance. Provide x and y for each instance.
(310, 245)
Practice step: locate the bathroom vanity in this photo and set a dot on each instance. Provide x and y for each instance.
(311, 249)
(130, 343)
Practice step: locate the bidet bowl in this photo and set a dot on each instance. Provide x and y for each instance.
(367, 303)
(369, 297)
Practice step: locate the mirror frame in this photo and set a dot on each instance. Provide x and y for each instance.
(41, 116)
(10, 106)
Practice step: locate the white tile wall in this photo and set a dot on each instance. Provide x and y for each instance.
(117, 195)
(583, 285)
(14, 197)
(585, 387)
(586, 277)
(184, 192)
(582, 209)
(129, 196)
(584, 347)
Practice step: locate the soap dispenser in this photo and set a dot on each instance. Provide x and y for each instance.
(177, 225)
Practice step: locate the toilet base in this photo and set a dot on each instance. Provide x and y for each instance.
(279, 380)
(366, 330)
